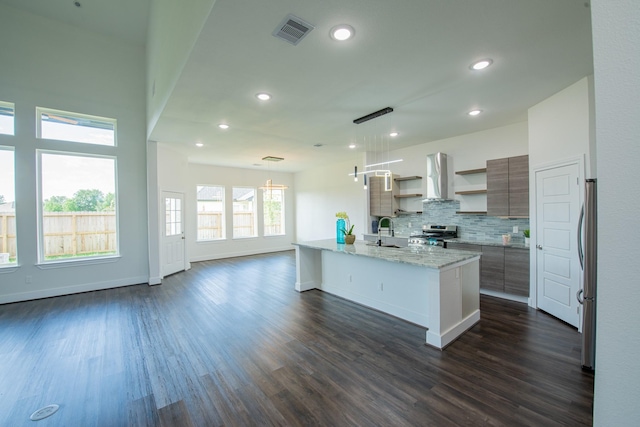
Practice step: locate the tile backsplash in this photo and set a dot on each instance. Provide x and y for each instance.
(470, 227)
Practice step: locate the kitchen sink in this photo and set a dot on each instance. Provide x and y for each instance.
(384, 245)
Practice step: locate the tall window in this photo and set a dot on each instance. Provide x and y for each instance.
(7, 112)
(75, 127)
(244, 212)
(8, 251)
(273, 211)
(78, 206)
(210, 207)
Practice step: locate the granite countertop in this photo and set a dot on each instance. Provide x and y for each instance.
(427, 256)
(514, 243)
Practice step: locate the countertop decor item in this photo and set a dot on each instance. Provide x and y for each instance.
(349, 237)
(341, 226)
(526, 236)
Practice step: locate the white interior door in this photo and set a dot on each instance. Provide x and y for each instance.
(558, 277)
(173, 236)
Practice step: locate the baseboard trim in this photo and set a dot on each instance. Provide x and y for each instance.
(240, 253)
(76, 289)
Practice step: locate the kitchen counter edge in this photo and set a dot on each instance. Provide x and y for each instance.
(428, 256)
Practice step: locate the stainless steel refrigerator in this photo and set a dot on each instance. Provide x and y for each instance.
(587, 252)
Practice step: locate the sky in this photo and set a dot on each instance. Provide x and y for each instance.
(62, 175)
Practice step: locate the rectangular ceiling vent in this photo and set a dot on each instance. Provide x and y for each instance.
(292, 29)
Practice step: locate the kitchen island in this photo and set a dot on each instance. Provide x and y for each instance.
(430, 286)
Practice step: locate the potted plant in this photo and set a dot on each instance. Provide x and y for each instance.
(349, 237)
(526, 236)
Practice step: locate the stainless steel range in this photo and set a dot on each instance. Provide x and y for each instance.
(433, 235)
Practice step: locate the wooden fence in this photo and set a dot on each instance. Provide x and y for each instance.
(210, 226)
(81, 233)
(66, 233)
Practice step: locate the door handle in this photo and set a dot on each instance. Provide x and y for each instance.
(578, 294)
(580, 252)
(539, 247)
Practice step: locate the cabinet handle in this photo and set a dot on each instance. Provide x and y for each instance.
(539, 247)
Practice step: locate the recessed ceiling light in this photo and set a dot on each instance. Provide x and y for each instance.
(352, 146)
(474, 112)
(481, 65)
(263, 96)
(394, 134)
(342, 32)
(223, 126)
(199, 144)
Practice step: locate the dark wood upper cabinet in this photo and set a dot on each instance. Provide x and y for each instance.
(381, 202)
(519, 186)
(498, 187)
(508, 187)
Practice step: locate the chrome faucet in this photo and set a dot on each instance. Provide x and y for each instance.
(391, 233)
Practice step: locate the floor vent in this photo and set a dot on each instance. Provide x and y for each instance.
(292, 29)
(45, 412)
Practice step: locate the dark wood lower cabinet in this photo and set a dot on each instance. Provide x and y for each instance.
(516, 271)
(492, 270)
(502, 269)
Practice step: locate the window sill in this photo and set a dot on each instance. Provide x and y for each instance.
(48, 265)
(200, 242)
(9, 268)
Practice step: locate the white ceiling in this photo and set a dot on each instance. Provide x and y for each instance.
(123, 19)
(411, 55)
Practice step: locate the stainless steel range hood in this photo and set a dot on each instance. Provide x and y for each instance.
(437, 182)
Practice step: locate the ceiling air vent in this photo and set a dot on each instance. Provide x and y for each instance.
(292, 29)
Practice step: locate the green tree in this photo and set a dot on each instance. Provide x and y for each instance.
(55, 204)
(109, 203)
(87, 200)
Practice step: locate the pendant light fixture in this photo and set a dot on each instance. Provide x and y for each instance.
(386, 173)
(269, 184)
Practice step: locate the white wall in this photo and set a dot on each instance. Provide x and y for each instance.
(173, 30)
(560, 130)
(323, 191)
(560, 127)
(234, 177)
(49, 64)
(616, 31)
(470, 151)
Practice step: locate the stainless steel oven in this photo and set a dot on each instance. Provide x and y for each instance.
(434, 235)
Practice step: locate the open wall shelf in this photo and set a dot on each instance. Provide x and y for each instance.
(471, 171)
(462, 193)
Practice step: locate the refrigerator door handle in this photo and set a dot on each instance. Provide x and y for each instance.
(578, 295)
(580, 252)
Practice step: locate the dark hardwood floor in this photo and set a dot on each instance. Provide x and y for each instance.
(230, 342)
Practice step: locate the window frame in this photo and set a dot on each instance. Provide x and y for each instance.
(80, 116)
(223, 212)
(255, 212)
(282, 212)
(42, 262)
(9, 265)
(11, 105)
